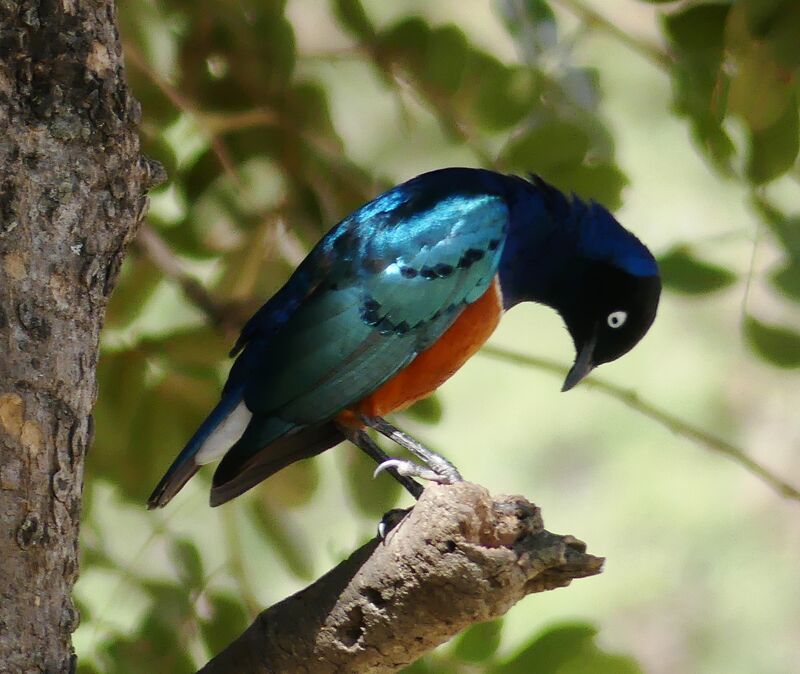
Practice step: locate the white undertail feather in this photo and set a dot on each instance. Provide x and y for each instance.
(225, 435)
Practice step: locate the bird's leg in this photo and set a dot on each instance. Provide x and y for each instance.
(438, 468)
(365, 443)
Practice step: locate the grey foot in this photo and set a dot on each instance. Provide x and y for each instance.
(390, 520)
(444, 473)
(361, 440)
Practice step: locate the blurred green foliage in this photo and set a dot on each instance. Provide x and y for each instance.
(682, 272)
(241, 115)
(560, 649)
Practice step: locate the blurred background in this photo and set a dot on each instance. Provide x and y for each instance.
(276, 119)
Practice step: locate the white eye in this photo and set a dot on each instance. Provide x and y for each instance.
(616, 319)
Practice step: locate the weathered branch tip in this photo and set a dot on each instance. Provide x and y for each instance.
(458, 558)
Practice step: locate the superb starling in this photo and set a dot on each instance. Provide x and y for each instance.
(394, 299)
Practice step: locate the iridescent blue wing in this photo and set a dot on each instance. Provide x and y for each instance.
(397, 273)
(401, 275)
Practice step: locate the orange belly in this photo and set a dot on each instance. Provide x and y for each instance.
(431, 368)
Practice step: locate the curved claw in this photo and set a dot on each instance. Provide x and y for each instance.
(391, 463)
(410, 469)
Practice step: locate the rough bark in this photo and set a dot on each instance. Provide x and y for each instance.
(460, 557)
(71, 193)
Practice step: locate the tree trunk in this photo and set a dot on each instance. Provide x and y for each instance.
(71, 194)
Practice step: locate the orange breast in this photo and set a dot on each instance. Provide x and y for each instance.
(431, 368)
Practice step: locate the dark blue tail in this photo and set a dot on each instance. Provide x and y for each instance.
(184, 466)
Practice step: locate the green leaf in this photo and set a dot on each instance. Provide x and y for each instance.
(85, 667)
(760, 87)
(196, 352)
(307, 106)
(373, 496)
(696, 34)
(158, 645)
(286, 542)
(699, 31)
(479, 642)
(566, 153)
(141, 424)
(159, 641)
(146, 26)
(776, 344)
(505, 95)
(436, 58)
(446, 57)
(351, 16)
(83, 610)
(457, 76)
(186, 558)
(786, 228)
(567, 649)
(787, 279)
(602, 182)
(550, 144)
(601, 663)
(138, 280)
(228, 620)
(405, 43)
(200, 176)
(773, 150)
(121, 378)
(777, 22)
(548, 651)
(171, 601)
(259, 56)
(684, 273)
(428, 410)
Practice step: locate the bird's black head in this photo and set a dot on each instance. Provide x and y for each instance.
(575, 257)
(611, 311)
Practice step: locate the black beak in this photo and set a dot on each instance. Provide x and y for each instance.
(582, 367)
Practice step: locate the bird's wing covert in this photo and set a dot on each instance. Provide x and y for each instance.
(398, 272)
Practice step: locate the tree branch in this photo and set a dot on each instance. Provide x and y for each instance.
(670, 421)
(594, 19)
(458, 558)
(222, 316)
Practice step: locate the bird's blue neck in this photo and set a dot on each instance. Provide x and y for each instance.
(552, 237)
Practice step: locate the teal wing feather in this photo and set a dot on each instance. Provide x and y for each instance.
(399, 279)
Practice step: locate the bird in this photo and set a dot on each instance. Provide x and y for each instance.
(393, 300)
